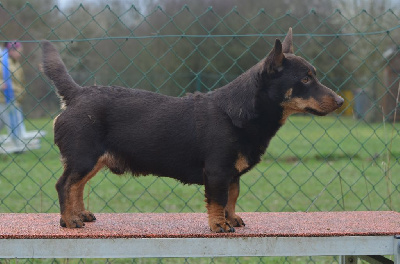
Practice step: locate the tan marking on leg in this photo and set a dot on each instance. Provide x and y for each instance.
(72, 208)
(216, 218)
(75, 213)
(85, 215)
(230, 208)
(241, 163)
(232, 198)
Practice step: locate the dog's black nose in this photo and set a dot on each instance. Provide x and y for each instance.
(339, 101)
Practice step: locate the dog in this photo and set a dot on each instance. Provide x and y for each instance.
(209, 139)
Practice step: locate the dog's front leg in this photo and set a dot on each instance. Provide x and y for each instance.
(216, 192)
(230, 207)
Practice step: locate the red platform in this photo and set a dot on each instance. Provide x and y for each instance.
(167, 225)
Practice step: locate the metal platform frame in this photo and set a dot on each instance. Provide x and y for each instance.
(370, 248)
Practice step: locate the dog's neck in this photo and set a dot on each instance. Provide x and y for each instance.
(246, 101)
(247, 98)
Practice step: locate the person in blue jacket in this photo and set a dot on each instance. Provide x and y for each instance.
(12, 91)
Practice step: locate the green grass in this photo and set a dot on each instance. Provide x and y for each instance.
(313, 164)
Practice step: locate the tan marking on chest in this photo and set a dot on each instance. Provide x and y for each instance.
(241, 163)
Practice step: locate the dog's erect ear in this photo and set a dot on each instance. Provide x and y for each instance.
(287, 45)
(274, 60)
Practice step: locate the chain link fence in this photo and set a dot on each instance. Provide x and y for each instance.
(346, 161)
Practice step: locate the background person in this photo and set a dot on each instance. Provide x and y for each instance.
(12, 88)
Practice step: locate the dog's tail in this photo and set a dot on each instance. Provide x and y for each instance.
(56, 71)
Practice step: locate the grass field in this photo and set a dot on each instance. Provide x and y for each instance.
(313, 164)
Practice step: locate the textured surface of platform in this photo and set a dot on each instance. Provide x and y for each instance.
(195, 225)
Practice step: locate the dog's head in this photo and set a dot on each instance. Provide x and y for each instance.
(293, 83)
(279, 85)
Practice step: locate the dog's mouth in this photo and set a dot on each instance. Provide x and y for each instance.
(325, 107)
(315, 112)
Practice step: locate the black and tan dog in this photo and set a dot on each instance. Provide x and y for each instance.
(209, 139)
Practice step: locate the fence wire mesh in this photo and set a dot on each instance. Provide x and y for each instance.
(346, 161)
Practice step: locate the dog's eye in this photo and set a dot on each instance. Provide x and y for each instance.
(306, 79)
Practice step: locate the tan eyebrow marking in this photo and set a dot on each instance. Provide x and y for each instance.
(311, 72)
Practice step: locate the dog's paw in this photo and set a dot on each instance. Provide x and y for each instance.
(236, 221)
(87, 216)
(72, 223)
(223, 227)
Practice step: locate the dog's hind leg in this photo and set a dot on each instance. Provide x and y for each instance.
(70, 188)
(216, 192)
(67, 187)
(85, 215)
(230, 207)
